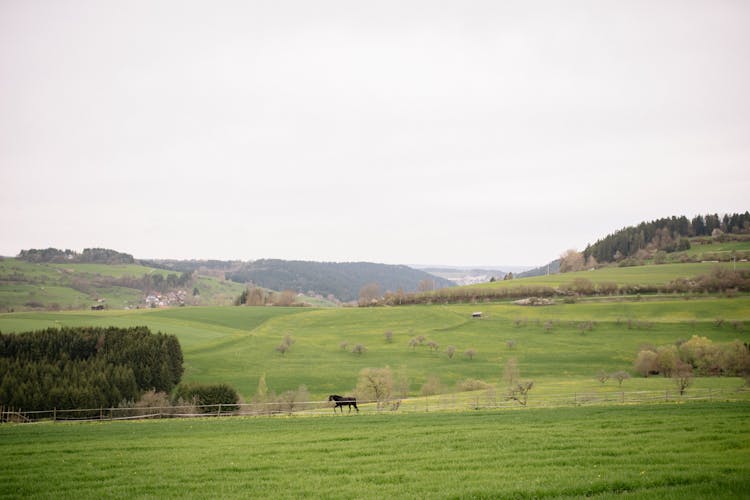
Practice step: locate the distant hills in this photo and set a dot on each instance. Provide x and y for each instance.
(342, 280)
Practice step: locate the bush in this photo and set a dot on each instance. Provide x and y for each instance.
(207, 395)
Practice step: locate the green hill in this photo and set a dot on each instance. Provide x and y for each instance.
(69, 284)
(238, 344)
(343, 280)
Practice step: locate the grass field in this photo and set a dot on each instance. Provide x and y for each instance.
(237, 344)
(649, 275)
(695, 450)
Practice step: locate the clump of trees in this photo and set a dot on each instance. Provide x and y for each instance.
(667, 234)
(256, 296)
(207, 396)
(89, 255)
(86, 367)
(698, 355)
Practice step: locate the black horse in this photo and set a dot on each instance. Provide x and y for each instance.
(343, 400)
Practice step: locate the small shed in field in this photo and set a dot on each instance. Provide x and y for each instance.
(476, 314)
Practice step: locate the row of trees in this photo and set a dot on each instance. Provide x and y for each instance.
(699, 355)
(667, 234)
(89, 255)
(256, 296)
(717, 281)
(86, 367)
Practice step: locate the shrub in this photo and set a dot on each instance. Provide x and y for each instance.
(207, 395)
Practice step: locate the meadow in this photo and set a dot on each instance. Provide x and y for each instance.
(652, 275)
(564, 345)
(692, 450)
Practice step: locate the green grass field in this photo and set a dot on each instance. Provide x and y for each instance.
(237, 344)
(695, 450)
(649, 275)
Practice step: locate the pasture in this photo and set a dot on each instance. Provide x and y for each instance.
(651, 275)
(692, 450)
(237, 344)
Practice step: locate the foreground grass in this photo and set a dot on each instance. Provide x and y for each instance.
(694, 450)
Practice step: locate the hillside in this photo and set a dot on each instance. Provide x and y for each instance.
(72, 284)
(343, 280)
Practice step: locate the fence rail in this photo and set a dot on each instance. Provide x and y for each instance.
(478, 400)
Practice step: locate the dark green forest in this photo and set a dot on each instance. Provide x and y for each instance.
(88, 256)
(669, 234)
(86, 367)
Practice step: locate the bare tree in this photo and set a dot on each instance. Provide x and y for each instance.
(426, 285)
(511, 373)
(433, 345)
(683, 376)
(450, 351)
(388, 336)
(369, 294)
(375, 384)
(602, 376)
(571, 260)
(510, 344)
(344, 345)
(520, 392)
(359, 349)
(413, 343)
(470, 353)
(621, 376)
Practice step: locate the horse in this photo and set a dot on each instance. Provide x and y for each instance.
(343, 400)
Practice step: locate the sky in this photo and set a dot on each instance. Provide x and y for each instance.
(403, 132)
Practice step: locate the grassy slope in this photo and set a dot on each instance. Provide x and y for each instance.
(48, 284)
(237, 345)
(655, 451)
(639, 275)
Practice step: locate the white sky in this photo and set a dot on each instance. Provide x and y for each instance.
(461, 132)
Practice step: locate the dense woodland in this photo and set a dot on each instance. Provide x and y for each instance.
(669, 234)
(86, 367)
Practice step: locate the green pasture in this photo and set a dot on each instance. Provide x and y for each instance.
(662, 451)
(563, 342)
(719, 247)
(649, 275)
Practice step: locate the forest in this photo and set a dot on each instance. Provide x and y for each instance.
(86, 367)
(669, 234)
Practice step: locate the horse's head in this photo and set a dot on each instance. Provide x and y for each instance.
(332, 397)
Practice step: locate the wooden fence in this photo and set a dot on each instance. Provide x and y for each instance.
(477, 400)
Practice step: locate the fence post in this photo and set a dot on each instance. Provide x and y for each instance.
(666, 395)
(219, 412)
(54, 414)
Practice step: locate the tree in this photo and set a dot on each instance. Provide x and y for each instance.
(646, 363)
(571, 260)
(520, 392)
(369, 294)
(511, 373)
(683, 376)
(375, 384)
(620, 376)
(262, 392)
(470, 353)
(359, 349)
(426, 285)
(450, 351)
(388, 336)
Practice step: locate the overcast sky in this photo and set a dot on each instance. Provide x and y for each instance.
(416, 132)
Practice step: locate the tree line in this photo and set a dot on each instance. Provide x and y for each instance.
(86, 367)
(669, 234)
(89, 256)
